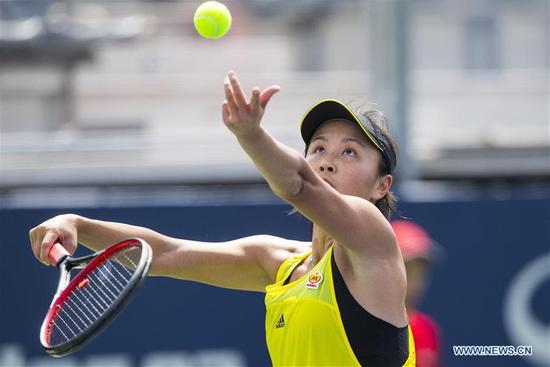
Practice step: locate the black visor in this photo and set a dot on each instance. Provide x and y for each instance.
(331, 109)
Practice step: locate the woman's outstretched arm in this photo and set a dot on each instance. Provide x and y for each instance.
(248, 263)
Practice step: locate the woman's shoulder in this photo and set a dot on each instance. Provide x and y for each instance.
(276, 250)
(279, 243)
(282, 249)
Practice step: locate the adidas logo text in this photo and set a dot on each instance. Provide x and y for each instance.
(281, 322)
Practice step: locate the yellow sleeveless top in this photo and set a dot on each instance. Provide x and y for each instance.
(303, 324)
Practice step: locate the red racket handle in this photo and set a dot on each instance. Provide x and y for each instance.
(57, 253)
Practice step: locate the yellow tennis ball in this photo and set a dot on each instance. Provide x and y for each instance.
(212, 19)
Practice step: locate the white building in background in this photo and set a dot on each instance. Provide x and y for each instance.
(133, 96)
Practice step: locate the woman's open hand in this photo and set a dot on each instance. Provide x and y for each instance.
(242, 117)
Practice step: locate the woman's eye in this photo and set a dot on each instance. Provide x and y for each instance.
(349, 151)
(318, 149)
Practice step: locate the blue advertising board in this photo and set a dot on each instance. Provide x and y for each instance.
(491, 287)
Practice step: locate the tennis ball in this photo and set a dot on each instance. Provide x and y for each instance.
(212, 19)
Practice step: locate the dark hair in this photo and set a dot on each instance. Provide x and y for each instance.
(388, 204)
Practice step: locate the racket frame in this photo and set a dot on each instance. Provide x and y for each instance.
(68, 263)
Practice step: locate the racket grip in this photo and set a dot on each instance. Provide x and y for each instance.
(57, 253)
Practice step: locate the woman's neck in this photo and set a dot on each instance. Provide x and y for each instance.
(320, 243)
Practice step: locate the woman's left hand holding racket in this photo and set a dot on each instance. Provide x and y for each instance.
(62, 229)
(84, 305)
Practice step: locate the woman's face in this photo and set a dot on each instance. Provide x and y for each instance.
(343, 155)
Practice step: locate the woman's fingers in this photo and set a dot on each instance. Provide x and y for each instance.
(229, 96)
(267, 93)
(46, 244)
(35, 245)
(237, 110)
(238, 93)
(226, 114)
(255, 100)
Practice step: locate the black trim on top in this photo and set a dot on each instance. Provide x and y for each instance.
(375, 342)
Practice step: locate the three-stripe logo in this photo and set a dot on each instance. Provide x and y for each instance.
(281, 322)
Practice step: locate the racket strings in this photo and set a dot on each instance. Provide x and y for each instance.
(93, 296)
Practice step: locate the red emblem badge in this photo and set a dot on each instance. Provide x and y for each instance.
(314, 280)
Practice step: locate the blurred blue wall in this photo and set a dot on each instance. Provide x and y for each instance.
(487, 245)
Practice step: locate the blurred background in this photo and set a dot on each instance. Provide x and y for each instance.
(112, 109)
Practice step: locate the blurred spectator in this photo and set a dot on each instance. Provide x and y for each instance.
(419, 252)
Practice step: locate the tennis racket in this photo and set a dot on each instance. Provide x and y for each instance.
(83, 306)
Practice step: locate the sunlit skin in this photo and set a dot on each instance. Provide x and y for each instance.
(343, 155)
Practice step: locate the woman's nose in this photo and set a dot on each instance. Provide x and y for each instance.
(327, 166)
